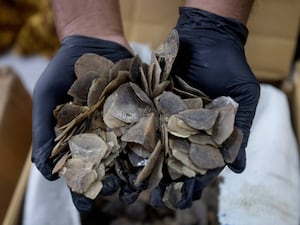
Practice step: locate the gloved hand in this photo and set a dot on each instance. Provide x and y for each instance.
(129, 191)
(192, 189)
(51, 90)
(211, 58)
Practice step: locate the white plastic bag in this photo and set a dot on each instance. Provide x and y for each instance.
(267, 192)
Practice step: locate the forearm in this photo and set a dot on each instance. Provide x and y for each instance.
(93, 18)
(236, 9)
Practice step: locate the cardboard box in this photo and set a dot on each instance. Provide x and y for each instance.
(15, 133)
(295, 101)
(149, 22)
(14, 211)
(273, 31)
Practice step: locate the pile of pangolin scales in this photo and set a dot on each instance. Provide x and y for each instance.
(133, 118)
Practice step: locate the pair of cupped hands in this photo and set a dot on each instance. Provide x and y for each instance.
(211, 58)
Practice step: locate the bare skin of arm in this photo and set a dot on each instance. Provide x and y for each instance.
(92, 18)
(236, 9)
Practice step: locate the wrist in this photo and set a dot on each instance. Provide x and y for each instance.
(235, 9)
(77, 30)
(112, 34)
(195, 21)
(96, 19)
(76, 45)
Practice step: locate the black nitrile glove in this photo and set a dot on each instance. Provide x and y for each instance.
(129, 191)
(192, 189)
(111, 184)
(51, 90)
(211, 58)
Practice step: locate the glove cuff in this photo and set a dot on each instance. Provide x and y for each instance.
(106, 48)
(194, 18)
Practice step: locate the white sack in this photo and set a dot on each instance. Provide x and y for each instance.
(46, 203)
(267, 192)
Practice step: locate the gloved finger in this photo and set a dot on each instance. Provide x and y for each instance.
(139, 187)
(156, 196)
(246, 95)
(128, 196)
(203, 181)
(157, 193)
(239, 163)
(111, 184)
(82, 203)
(187, 194)
(130, 191)
(193, 187)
